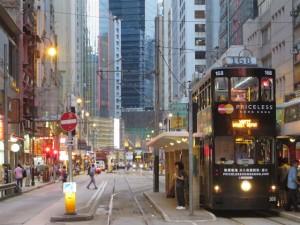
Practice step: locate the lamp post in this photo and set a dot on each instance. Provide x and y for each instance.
(51, 52)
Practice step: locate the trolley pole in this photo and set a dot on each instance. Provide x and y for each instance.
(190, 114)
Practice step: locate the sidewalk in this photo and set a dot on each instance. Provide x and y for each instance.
(291, 215)
(167, 208)
(38, 184)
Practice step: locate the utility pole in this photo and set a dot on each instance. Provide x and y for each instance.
(190, 115)
(6, 150)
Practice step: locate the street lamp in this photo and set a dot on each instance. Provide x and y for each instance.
(52, 51)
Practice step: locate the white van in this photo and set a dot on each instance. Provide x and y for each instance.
(100, 165)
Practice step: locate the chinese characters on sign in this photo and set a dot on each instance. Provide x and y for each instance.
(245, 173)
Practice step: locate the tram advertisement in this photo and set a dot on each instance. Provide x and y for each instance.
(249, 118)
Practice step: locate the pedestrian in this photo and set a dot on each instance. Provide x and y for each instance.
(38, 171)
(92, 172)
(64, 174)
(292, 185)
(28, 175)
(283, 171)
(179, 185)
(55, 172)
(19, 176)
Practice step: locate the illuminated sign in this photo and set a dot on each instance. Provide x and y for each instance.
(244, 124)
(255, 108)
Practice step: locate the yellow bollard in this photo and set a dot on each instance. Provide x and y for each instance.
(70, 203)
(69, 189)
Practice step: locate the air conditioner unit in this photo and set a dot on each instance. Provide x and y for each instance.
(294, 51)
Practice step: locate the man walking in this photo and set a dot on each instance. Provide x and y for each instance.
(292, 184)
(19, 176)
(92, 176)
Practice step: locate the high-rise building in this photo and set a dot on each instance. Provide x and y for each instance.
(116, 31)
(184, 44)
(234, 13)
(65, 26)
(137, 78)
(212, 31)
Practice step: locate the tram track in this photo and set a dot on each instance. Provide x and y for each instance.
(132, 194)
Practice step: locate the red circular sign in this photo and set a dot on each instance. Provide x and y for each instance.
(68, 121)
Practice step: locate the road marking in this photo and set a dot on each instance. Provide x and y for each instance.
(95, 194)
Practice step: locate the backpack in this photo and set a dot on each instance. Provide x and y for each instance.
(24, 173)
(64, 176)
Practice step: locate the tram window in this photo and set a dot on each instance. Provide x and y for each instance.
(224, 150)
(221, 89)
(253, 150)
(267, 92)
(244, 89)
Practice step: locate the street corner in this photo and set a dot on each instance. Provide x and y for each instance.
(167, 208)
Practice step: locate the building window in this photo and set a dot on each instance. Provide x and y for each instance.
(200, 41)
(266, 35)
(199, 68)
(199, 14)
(199, 2)
(199, 27)
(200, 55)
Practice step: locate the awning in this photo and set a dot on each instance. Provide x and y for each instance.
(171, 141)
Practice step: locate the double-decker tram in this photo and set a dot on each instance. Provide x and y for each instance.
(236, 123)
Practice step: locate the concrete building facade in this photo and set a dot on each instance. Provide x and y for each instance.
(271, 42)
(233, 14)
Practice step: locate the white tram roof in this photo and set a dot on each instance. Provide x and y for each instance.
(287, 104)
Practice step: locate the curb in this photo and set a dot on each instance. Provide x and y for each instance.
(288, 216)
(38, 187)
(84, 216)
(158, 209)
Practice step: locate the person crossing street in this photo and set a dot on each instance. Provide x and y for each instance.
(91, 173)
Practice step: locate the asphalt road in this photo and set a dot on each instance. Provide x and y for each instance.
(122, 203)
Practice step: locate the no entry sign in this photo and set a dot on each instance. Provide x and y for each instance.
(68, 121)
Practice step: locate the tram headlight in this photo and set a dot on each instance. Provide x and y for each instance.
(246, 186)
(217, 188)
(273, 188)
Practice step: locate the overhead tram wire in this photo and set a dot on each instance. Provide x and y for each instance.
(175, 21)
(170, 70)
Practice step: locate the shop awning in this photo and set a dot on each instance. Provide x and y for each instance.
(170, 141)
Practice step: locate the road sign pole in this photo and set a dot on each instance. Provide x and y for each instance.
(70, 156)
(69, 145)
